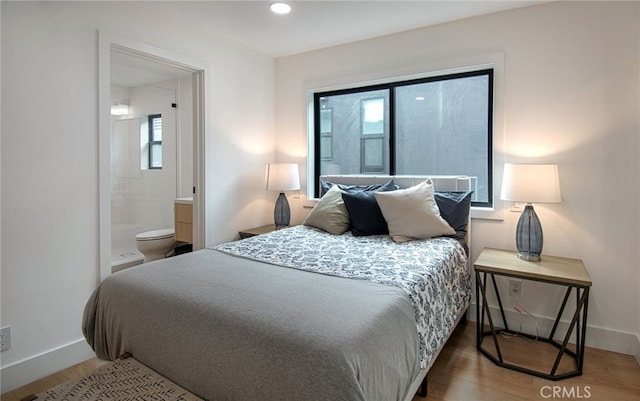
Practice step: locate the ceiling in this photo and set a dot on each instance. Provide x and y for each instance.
(311, 25)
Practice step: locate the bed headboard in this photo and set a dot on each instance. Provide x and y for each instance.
(440, 183)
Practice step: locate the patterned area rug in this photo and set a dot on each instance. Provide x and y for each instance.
(122, 380)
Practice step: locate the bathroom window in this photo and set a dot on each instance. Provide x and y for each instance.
(155, 141)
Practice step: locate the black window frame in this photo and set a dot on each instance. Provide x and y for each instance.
(390, 87)
(153, 141)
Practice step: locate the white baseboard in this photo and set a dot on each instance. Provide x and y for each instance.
(39, 366)
(596, 337)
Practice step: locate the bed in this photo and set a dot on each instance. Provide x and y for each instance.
(297, 314)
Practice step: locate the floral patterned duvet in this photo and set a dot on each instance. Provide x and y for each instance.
(434, 273)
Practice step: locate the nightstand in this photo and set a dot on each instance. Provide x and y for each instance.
(565, 272)
(257, 231)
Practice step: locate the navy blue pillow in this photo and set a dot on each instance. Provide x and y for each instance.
(455, 208)
(364, 212)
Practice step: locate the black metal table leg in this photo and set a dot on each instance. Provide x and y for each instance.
(485, 309)
(569, 273)
(577, 324)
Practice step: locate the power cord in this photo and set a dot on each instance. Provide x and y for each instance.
(520, 309)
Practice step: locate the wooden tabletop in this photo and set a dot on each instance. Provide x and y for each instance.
(259, 230)
(552, 269)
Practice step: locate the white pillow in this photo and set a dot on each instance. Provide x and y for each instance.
(413, 213)
(330, 213)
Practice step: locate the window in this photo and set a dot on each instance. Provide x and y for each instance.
(155, 141)
(439, 125)
(326, 134)
(372, 136)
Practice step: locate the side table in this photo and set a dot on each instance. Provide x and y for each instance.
(566, 272)
(257, 231)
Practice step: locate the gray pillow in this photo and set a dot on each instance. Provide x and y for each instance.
(455, 208)
(412, 213)
(329, 214)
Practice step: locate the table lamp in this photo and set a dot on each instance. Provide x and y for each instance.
(530, 183)
(282, 177)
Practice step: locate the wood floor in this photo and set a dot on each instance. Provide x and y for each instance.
(462, 373)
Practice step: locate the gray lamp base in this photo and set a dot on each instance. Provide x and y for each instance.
(529, 235)
(281, 213)
(529, 258)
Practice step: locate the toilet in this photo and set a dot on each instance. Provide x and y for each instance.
(156, 244)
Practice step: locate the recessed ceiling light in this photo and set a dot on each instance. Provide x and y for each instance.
(419, 97)
(280, 8)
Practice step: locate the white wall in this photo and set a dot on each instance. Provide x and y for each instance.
(50, 158)
(571, 96)
(637, 348)
(185, 132)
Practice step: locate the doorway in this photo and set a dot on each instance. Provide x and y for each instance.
(124, 63)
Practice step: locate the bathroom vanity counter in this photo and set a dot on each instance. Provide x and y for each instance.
(184, 201)
(183, 219)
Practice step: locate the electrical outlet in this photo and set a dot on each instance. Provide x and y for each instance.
(515, 288)
(517, 207)
(5, 338)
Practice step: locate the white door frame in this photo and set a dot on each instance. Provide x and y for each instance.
(108, 42)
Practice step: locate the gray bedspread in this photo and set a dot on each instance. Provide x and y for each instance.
(228, 328)
(433, 273)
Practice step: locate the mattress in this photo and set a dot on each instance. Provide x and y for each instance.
(295, 314)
